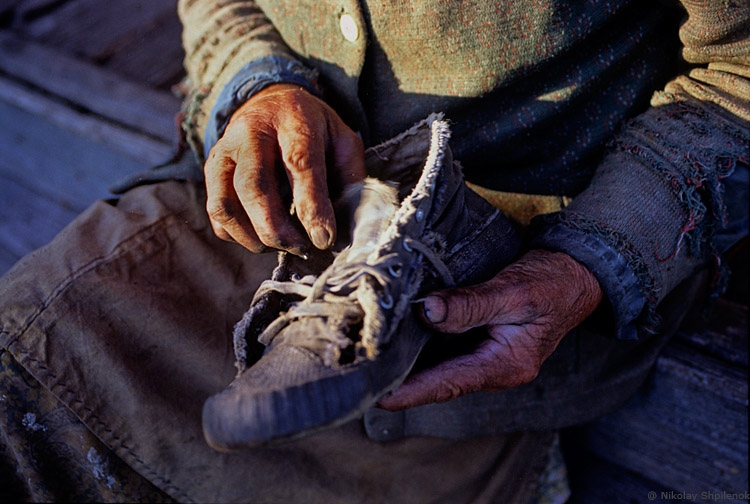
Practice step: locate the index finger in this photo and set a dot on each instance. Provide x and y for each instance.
(303, 150)
(259, 188)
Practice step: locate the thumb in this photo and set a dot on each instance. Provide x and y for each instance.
(460, 309)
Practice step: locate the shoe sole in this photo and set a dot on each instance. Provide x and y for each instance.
(233, 421)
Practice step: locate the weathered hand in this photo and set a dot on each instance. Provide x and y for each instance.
(281, 140)
(527, 308)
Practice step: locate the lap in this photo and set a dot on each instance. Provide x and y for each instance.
(125, 319)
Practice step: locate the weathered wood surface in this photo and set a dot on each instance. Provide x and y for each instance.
(54, 162)
(596, 481)
(722, 334)
(84, 101)
(687, 435)
(139, 38)
(688, 427)
(88, 87)
(133, 144)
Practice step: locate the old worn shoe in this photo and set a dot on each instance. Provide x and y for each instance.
(338, 328)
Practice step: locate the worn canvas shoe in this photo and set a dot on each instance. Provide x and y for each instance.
(338, 328)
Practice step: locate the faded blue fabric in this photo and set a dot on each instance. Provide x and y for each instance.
(669, 198)
(251, 79)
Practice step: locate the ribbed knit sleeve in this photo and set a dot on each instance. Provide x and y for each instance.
(675, 178)
(220, 38)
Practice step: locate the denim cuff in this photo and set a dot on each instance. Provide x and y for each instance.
(611, 269)
(248, 81)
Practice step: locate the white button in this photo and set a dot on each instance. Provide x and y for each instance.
(349, 28)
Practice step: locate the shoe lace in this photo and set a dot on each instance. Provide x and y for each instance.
(339, 295)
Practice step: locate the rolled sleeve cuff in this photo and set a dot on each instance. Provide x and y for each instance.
(611, 269)
(251, 79)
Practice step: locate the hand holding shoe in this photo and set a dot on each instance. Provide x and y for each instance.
(280, 139)
(527, 308)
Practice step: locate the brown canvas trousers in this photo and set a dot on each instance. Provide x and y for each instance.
(113, 336)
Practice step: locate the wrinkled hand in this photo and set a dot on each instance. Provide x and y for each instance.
(527, 308)
(281, 140)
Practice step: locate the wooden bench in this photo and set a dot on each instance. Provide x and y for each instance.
(685, 432)
(85, 99)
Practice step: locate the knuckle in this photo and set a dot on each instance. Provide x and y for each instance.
(524, 375)
(218, 163)
(220, 210)
(240, 124)
(299, 161)
(298, 156)
(448, 392)
(472, 307)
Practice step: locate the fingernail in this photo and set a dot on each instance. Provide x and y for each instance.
(299, 252)
(435, 309)
(320, 237)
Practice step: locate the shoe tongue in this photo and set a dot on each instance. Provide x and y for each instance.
(374, 211)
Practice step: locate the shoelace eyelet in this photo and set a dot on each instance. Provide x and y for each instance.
(419, 215)
(395, 271)
(407, 247)
(387, 303)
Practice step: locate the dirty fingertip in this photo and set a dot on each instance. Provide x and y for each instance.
(321, 237)
(299, 251)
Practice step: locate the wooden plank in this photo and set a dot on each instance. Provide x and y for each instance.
(7, 10)
(54, 162)
(85, 28)
(688, 429)
(90, 88)
(594, 480)
(155, 57)
(139, 148)
(27, 221)
(29, 9)
(721, 331)
(65, 155)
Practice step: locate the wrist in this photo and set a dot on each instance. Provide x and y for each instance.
(252, 79)
(276, 88)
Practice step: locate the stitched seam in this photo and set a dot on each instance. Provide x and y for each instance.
(70, 398)
(125, 246)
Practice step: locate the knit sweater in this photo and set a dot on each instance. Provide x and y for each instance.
(639, 110)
